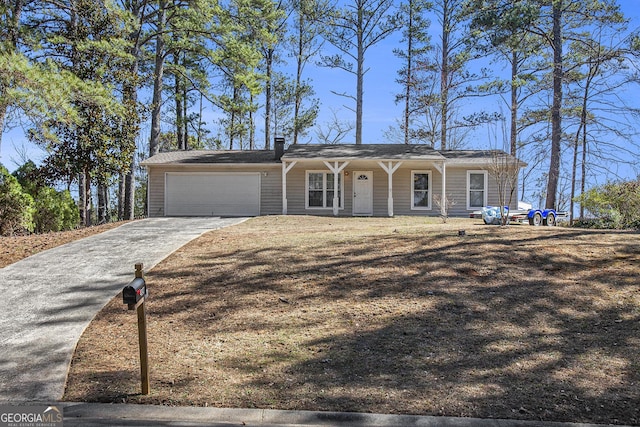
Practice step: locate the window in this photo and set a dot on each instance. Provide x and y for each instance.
(476, 189)
(421, 187)
(320, 190)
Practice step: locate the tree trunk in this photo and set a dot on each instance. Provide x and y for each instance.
(252, 134)
(267, 95)
(129, 193)
(574, 169)
(298, 96)
(102, 204)
(82, 200)
(85, 188)
(583, 176)
(179, 109)
(360, 77)
(444, 76)
(185, 121)
(154, 143)
(409, 75)
(199, 135)
(556, 122)
(121, 192)
(514, 104)
(127, 185)
(3, 113)
(14, 35)
(232, 125)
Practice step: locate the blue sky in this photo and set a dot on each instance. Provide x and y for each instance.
(380, 109)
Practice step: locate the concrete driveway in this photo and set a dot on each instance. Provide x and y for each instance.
(49, 298)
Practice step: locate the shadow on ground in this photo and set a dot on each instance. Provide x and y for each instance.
(529, 325)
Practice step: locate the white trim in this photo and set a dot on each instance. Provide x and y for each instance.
(390, 168)
(336, 167)
(485, 190)
(429, 190)
(324, 190)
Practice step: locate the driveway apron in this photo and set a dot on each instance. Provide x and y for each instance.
(49, 298)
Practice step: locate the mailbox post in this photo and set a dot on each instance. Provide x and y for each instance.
(134, 295)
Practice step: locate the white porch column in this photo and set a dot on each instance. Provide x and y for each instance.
(390, 168)
(443, 204)
(336, 168)
(443, 171)
(285, 169)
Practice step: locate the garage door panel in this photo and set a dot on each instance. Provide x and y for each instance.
(211, 194)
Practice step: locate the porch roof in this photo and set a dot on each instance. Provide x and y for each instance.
(361, 152)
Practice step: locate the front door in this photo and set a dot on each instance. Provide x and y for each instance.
(363, 193)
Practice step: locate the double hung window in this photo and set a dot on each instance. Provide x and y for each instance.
(421, 190)
(320, 189)
(477, 184)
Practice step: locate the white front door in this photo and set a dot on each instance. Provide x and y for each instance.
(363, 193)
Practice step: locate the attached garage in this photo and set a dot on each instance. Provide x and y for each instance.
(212, 194)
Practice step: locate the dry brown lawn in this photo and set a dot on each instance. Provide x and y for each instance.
(389, 315)
(15, 248)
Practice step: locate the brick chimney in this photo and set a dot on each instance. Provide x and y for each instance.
(278, 145)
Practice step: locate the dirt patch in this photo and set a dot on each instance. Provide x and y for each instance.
(388, 315)
(15, 248)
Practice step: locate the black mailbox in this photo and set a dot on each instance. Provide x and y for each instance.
(134, 291)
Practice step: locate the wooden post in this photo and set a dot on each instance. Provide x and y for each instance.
(142, 338)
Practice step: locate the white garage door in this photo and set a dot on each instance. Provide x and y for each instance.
(212, 194)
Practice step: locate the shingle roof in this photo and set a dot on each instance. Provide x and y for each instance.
(326, 152)
(212, 156)
(362, 151)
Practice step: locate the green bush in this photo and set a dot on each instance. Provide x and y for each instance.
(16, 206)
(55, 211)
(613, 205)
(29, 178)
(52, 210)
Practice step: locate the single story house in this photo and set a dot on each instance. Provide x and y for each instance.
(345, 180)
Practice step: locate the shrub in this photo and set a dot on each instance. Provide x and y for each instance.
(614, 205)
(16, 206)
(55, 211)
(29, 178)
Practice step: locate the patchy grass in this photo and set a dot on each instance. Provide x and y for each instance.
(390, 315)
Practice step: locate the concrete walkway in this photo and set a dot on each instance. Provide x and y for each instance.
(48, 299)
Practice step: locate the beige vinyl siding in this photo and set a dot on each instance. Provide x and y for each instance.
(270, 189)
(380, 191)
(296, 191)
(457, 191)
(155, 197)
(403, 190)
